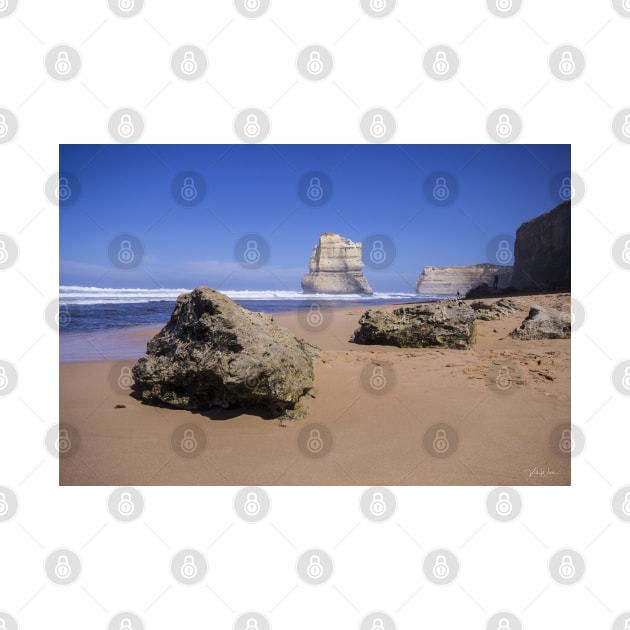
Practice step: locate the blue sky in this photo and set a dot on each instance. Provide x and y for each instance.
(364, 192)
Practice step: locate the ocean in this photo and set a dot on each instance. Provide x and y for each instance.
(92, 316)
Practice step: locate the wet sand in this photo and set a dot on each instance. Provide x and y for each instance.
(381, 415)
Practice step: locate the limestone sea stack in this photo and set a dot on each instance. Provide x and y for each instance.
(449, 280)
(335, 267)
(542, 251)
(214, 352)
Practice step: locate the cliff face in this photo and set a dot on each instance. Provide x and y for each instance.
(449, 280)
(542, 251)
(335, 267)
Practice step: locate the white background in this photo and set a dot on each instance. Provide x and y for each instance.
(252, 63)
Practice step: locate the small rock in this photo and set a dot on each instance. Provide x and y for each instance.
(544, 323)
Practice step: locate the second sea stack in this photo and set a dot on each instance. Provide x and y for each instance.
(335, 267)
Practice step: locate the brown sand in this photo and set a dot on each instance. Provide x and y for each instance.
(503, 438)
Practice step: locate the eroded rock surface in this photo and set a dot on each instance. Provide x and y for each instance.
(445, 324)
(335, 267)
(214, 352)
(544, 323)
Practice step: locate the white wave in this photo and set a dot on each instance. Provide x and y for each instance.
(97, 295)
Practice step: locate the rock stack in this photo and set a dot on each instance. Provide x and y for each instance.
(335, 267)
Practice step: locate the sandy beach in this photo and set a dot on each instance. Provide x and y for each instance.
(384, 435)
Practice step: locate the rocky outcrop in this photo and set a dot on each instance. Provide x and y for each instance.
(493, 310)
(214, 352)
(335, 267)
(542, 251)
(445, 324)
(544, 323)
(449, 280)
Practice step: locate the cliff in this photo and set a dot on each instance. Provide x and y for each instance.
(542, 251)
(449, 280)
(335, 267)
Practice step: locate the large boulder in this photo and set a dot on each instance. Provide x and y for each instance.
(214, 352)
(493, 310)
(544, 323)
(335, 267)
(445, 324)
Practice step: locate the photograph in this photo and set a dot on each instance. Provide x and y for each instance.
(315, 315)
